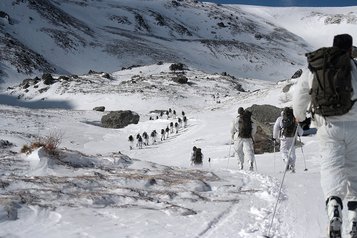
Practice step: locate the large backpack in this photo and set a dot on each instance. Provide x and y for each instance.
(245, 125)
(198, 156)
(331, 86)
(288, 125)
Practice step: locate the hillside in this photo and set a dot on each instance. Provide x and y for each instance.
(98, 187)
(118, 54)
(316, 25)
(65, 37)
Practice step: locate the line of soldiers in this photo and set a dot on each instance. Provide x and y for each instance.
(172, 128)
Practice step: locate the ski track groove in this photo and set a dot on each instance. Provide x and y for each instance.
(213, 224)
(258, 226)
(271, 185)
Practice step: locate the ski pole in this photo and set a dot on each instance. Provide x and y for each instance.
(274, 154)
(281, 186)
(229, 153)
(255, 160)
(303, 155)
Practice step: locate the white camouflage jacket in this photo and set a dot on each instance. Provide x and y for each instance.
(301, 99)
(235, 128)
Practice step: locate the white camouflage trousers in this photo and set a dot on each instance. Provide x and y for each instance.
(287, 143)
(338, 150)
(244, 150)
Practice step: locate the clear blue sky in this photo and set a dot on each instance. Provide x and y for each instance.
(290, 3)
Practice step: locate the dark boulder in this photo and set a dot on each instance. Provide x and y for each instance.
(48, 79)
(93, 72)
(99, 109)
(63, 78)
(6, 17)
(106, 75)
(297, 74)
(265, 113)
(181, 79)
(264, 116)
(120, 119)
(177, 66)
(5, 144)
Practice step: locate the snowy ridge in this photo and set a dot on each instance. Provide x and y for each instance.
(145, 82)
(315, 25)
(64, 37)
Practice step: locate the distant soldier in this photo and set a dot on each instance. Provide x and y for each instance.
(131, 141)
(146, 138)
(162, 134)
(184, 121)
(179, 121)
(140, 142)
(183, 113)
(196, 156)
(153, 136)
(176, 127)
(171, 127)
(174, 113)
(167, 130)
(137, 138)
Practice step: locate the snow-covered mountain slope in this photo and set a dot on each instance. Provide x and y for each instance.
(73, 37)
(315, 25)
(98, 187)
(149, 83)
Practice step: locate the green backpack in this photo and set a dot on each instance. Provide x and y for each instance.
(331, 89)
(288, 125)
(245, 125)
(198, 156)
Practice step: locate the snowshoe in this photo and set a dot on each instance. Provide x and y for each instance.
(334, 214)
